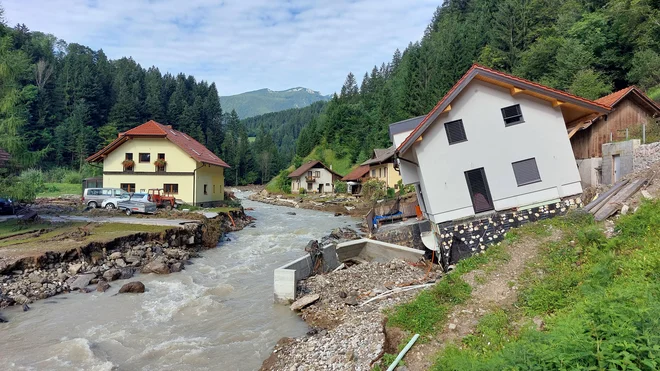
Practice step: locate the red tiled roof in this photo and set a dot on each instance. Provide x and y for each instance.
(468, 76)
(617, 96)
(151, 128)
(356, 174)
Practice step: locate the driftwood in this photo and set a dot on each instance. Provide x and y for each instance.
(614, 204)
(596, 204)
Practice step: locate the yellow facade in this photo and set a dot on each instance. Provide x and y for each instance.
(181, 170)
(386, 173)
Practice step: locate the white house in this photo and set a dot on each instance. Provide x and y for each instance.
(493, 142)
(313, 177)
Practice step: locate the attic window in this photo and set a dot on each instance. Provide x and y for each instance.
(512, 115)
(526, 172)
(455, 132)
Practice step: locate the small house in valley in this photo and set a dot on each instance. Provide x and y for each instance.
(154, 155)
(493, 142)
(313, 177)
(355, 178)
(632, 112)
(381, 167)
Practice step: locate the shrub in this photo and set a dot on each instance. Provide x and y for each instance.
(341, 187)
(72, 177)
(25, 187)
(56, 175)
(391, 193)
(373, 189)
(302, 191)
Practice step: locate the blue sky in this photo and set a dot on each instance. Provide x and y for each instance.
(239, 45)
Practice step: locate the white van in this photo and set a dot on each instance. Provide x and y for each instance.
(93, 197)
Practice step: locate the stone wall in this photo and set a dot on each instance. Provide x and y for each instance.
(466, 238)
(645, 155)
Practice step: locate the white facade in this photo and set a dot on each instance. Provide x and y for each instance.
(323, 181)
(441, 167)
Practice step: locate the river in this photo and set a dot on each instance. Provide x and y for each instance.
(217, 314)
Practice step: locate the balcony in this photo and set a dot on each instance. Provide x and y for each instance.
(310, 179)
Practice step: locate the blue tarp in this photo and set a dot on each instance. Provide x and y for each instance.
(386, 217)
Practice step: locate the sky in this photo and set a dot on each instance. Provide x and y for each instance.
(240, 45)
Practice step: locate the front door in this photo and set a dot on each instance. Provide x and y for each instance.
(479, 191)
(320, 188)
(616, 167)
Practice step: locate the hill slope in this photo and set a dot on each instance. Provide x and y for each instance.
(259, 102)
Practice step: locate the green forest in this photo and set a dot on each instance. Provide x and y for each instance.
(587, 47)
(61, 102)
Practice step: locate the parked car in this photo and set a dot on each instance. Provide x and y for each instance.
(94, 197)
(111, 203)
(7, 206)
(130, 206)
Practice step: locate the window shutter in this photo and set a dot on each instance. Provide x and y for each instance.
(455, 131)
(526, 172)
(512, 115)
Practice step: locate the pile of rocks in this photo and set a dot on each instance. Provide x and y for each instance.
(345, 335)
(27, 285)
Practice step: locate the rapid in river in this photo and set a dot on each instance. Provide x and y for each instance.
(217, 314)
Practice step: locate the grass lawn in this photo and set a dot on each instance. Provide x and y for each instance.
(64, 236)
(13, 226)
(60, 189)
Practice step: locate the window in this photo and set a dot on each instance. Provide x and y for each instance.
(128, 187)
(512, 115)
(145, 157)
(129, 156)
(455, 131)
(317, 174)
(526, 172)
(309, 186)
(205, 189)
(128, 159)
(385, 172)
(373, 173)
(214, 189)
(171, 188)
(161, 156)
(94, 192)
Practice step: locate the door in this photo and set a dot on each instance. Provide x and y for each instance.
(479, 191)
(320, 188)
(616, 167)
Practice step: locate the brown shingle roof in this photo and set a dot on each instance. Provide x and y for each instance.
(614, 98)
(357, 173)
(381, 155)
(309, 165)
(151, 128)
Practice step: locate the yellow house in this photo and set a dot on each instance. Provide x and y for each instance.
(154, 155)
(381, 167)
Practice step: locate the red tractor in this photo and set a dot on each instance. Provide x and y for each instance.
(162, 198)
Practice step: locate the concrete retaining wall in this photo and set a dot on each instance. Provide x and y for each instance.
(286, 277)
(590, 171)
(625, 150)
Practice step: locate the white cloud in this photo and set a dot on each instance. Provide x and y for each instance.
(240, 45)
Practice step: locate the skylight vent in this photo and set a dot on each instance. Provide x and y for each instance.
(184, 135)
(198, 154)
(173, 133)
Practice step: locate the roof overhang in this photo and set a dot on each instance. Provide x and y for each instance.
(573, 107)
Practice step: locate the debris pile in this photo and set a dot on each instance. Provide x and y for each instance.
(344, 334)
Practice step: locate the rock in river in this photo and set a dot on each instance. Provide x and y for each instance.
(102, 286)
(81, 281)
(135, 287)
(157, 266)
(112, 274)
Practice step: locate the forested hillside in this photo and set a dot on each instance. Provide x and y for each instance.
(587, 47)
(262, 101)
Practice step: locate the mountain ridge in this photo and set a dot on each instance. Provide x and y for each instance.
(262, 101)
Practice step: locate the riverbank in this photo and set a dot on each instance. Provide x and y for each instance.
(338, 205)
(53, 259)
(347, 326)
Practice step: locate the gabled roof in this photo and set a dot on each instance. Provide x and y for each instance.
(404, 125)
(152, 129)
(310, 165)
(4, 157)
(356, 174)
(614, 98)
(517, 85)
(380, 155)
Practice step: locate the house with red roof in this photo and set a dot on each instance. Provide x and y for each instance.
(154, 155)
(494, 142)
(313, 177)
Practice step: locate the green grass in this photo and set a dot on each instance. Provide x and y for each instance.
(599, 298)
(13, 226)
(341, 166)
(59, 189)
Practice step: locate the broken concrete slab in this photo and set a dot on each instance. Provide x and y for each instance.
(305, 301)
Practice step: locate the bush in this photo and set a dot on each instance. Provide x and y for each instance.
(25, 187)
(373, 189)
(72, 177)
(341, 187)
(302, 191)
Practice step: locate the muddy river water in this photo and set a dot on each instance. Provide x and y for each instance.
(218, 314)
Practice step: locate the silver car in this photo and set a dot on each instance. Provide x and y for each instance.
(94, 197)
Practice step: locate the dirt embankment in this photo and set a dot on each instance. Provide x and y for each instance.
(52, 269)
(344, 205)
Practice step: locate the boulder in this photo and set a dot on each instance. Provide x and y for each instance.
(120, 263)
(81, 281)
(157, 266)
(135, 287)
(126, 273)
(102, 286)
(75, 268)
(36, 278)
(176, 267)
(112, 274)
(115, 255)
(305, 301)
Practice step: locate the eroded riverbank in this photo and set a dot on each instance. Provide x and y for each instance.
(216, 314)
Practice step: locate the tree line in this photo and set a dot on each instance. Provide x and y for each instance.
(587, 47)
